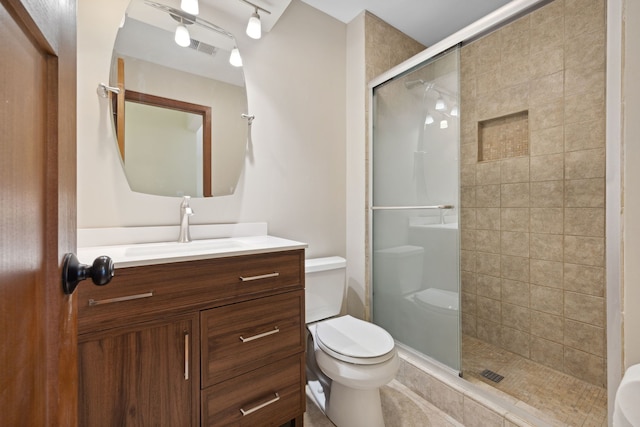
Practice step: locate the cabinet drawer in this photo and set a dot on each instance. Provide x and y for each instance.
(271, 396)
(140, 293)
(240, 337)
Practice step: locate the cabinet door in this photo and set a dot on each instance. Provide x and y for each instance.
(140, 376)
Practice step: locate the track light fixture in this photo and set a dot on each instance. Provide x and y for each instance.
(254, 26)
(190, 6)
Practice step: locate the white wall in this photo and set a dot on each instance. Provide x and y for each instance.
(294, 176)
(631, 193)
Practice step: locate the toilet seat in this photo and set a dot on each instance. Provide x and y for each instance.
(355, 341)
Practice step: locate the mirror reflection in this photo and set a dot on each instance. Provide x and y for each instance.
(179, 115)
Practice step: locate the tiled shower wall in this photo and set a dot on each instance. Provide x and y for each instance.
(532, 226)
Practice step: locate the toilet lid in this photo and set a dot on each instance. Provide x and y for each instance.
(356, 341)
(440, 298)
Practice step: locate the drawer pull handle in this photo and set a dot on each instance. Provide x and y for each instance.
(262, 276)
(260, 406)
(262, 335)
(93, 302)
(186, 356)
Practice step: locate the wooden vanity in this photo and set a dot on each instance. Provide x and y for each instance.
(207, 342)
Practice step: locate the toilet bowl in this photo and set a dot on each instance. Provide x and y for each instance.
(348, 359)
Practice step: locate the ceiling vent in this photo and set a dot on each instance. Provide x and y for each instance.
(203, 47)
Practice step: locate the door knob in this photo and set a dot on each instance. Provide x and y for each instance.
(100, 272)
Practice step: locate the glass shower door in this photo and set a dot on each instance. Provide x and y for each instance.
(415, 199)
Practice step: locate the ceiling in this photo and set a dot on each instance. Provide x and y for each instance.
(427, 21)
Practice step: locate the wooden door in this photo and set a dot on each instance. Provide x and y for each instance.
(143, 375)
(38, 351)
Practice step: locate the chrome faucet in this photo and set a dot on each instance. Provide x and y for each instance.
(185, 213)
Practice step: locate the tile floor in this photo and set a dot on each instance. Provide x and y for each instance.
(401, 408)
(568, 400)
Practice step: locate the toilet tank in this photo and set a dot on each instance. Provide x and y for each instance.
(325, 285)
(398, 269)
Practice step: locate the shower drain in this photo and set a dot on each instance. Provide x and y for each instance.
(490, 375)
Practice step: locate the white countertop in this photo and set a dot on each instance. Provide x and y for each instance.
(131, 254)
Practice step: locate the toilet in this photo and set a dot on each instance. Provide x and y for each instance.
(348, 359)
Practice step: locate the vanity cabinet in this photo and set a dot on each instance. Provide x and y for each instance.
(210, 342)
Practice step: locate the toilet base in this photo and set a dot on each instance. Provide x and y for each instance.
(348, 407)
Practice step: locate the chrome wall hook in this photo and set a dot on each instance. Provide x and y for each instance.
(103, 90)
(249, 117)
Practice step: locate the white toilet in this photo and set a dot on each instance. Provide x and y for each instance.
(348, 359)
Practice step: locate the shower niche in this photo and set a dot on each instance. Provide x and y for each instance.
(503, 137)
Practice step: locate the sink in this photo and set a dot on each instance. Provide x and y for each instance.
(626, 410)
(166, 248)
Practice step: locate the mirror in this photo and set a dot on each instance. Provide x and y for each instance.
(180, 117)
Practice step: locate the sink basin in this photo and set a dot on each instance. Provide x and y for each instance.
(627, 411)
(165, 248)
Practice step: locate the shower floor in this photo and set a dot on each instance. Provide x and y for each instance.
(558, 398)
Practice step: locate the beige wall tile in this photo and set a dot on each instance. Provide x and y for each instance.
(414, 379)
(585, 337)
(468, 154)
(584, 279)
(586, 50)
(545, 299)
(514, 292)
(468, 282)
(514, 219)
(547, 168)
(488, 241)
(488, 218)
(585, 106)
(469, 325)
(584, 366)
(585, 164)
(510, 100)
(468, 197)
(489, 51)
(488, 286)
(514, 195)
(547, 220)
(579, 80)
(468, 218)
(546, 115)
(489, 331)
(515, 243)
(547, 34)
(547, 194)
(584, 250)
(468, 303)
(516, 341)
(515, 170)
(547, 326)
(468, 261)
(547, 141)
(489, 82)
(515, 268)
(547, 14)
(546, 62)
(488, 264)
(584, 308)
(488, 173)
(546, 88)
(547, 273)
(546, 246)
(585, 193)
(584, 135)
(584, 221)
(583, 16)
(515, 69)
(516, 317)
(547, 352)
(468, 173)
(488, 196)
(468, 239)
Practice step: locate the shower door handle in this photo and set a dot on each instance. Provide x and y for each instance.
(390, 208)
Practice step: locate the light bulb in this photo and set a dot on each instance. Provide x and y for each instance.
(454, 111)
(444, 124)
(182, 37)
(190, 6)
(254, 28)
(428, 120)
(235, 59)
(440, 104)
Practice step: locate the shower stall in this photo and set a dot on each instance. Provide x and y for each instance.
(415, 233)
